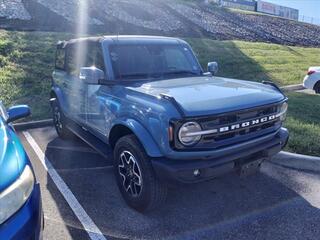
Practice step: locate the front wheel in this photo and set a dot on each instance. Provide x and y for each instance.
(137, 181)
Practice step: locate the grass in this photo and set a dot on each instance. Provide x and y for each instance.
(284, 65)
(26, 63)
(27, 58)
(303, 122)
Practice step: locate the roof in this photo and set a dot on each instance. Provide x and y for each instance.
(124, 39)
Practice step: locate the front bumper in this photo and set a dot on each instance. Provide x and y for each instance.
(27, 223)
(226, 161)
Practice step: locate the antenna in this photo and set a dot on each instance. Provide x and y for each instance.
(117, 29)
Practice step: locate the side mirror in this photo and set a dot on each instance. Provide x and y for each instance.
(91, 75)
(213, 68)
(18, 112)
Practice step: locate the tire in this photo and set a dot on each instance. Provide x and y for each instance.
(60, 121)
(136, 179)
(317, 87)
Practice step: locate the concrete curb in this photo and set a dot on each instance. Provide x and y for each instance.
(297, 161)
(33, 124)
(292, 88)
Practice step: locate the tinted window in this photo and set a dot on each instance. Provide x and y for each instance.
(73, 62)
(60, 58)
(154, 60)
(84, 55)
(176, 59)
(94, 56)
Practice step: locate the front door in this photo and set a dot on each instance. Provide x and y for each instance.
(96, 112)
(77, 89)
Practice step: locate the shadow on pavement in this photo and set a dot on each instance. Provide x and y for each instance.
(189, 208)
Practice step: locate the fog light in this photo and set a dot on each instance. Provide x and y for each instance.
(196, 173)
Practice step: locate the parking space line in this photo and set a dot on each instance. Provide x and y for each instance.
(87, 223)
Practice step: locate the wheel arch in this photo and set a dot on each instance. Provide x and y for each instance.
(316, 85)
(130, 126)
(56, 95)
(55, 92)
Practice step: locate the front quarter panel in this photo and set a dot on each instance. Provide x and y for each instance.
(148, 117)
(13, 158)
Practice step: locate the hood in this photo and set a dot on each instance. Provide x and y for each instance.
(200, 96)
(12, 157)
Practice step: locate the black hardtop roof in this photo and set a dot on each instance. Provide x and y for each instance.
(124, 39)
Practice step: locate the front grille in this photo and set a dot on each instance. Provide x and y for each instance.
(234, 118)
(232, 136)
(209, 123)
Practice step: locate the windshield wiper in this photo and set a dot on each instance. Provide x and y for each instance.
(181, 73)
(135, 76)
(156, 75)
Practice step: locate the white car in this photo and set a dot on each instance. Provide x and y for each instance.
(312, 80)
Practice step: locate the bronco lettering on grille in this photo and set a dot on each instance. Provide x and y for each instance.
(247, 124)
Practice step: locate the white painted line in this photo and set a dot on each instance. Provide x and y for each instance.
(87, 223)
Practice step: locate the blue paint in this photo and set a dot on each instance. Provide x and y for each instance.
(148, 106)
(26, 223)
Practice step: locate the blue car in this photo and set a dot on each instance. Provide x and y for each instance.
(20, 199)
(166, 119)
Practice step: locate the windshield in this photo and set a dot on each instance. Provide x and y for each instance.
(152, 61)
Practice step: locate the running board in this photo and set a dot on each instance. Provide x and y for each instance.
(101, 147)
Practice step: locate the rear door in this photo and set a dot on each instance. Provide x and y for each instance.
(95, 104)
(59, 77)
(74, 86)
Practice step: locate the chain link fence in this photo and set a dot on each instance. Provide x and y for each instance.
(307, 19)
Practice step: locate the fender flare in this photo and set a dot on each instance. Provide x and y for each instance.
(59, 97)
(145, 138)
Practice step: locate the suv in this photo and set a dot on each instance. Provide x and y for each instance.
(148, 99)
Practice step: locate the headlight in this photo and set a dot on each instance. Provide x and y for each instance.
(283, 111)
(188, 133)
(12, 198)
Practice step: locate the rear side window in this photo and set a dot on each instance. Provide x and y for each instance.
(60, 59)
(84, 55)
(71, 60)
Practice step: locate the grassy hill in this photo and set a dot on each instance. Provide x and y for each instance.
(303, 123)
(27, 58)
(26, 63)
(184, 18)
(284, 65)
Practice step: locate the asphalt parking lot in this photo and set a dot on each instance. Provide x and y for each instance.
(278, 203)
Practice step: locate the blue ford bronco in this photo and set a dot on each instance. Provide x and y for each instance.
(166, 120)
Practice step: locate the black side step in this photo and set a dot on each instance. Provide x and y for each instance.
(101, 147)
